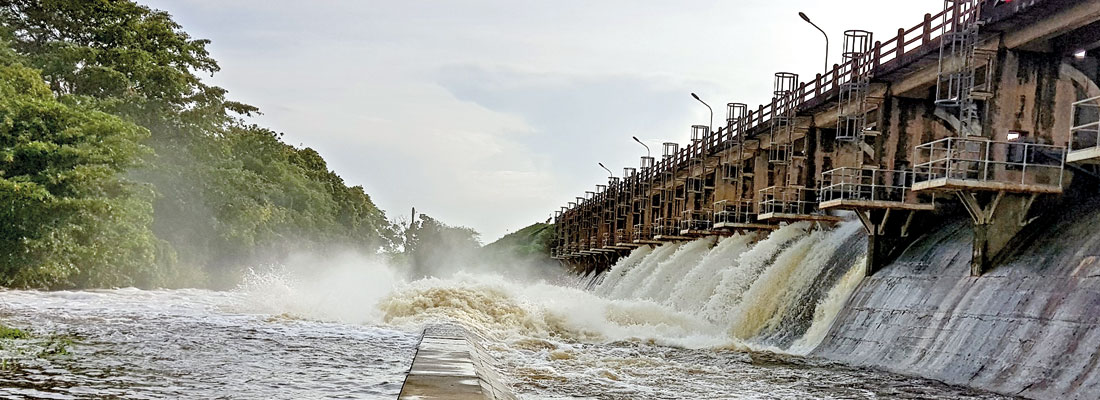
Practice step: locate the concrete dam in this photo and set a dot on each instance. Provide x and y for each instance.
(926, 207)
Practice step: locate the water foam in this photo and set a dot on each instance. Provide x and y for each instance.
(633, 278)
(735, 292)
(344, 288)
(750, 264)
(621, 268)
(774, 292)
(509, 310)
(699, 285)
(659, 284)
(371, 292)
(829, 307)
(756, 291)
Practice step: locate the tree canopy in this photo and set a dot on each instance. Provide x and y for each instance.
(72, 218)
(119, 166)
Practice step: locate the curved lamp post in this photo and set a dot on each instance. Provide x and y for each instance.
(807, 19)
(610, 175)
(711, 126)
(643, 144)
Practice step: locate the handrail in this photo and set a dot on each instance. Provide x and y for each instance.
(990, 161)
(866, 184)
(1085, 125)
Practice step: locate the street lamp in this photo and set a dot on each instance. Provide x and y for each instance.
(807, 19)
(643, 144)
(610, 175)
(711, 126)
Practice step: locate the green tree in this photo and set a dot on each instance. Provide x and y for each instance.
(72, 220)
(223, 194)
(119, 50)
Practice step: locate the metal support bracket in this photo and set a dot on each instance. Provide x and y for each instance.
(981, 215)
(865, 219)
(1024, 220)
(908, 223)
(882, 224)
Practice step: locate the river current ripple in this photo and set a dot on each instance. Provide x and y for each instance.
(138, 344)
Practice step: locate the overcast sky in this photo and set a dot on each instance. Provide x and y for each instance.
(491, 114)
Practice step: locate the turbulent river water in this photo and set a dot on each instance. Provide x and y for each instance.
(707, 319)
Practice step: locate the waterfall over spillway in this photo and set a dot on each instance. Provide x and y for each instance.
(632, 279)
(659, 283)
(615, 275)
(779, 290)
(699, 284)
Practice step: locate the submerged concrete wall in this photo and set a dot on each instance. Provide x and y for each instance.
(1030, 327)
(450, 364)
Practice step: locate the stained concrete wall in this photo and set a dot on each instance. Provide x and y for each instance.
(1030, 327)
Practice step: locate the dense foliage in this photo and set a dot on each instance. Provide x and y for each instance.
(69, 214)
(119, 166)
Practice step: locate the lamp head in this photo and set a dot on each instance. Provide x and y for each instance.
(695, 96)
(804, 17)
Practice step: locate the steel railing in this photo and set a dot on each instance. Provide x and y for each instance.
(866, 184)
(696, 220)
(666, 227)
(884, 57)
(981, 160)
(734, 212)
(642, 232)
(1086, 125)
(788, 200)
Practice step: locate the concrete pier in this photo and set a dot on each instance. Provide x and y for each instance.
(450, 364)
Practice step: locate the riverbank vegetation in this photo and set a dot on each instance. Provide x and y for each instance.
(119, 166)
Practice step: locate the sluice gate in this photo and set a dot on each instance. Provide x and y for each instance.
(980, 107)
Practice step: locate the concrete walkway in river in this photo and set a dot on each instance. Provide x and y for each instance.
(450, 364)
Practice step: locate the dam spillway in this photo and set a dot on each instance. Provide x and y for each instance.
(960, 157)
(990, 105)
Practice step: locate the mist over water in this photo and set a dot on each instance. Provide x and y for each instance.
(680, 320)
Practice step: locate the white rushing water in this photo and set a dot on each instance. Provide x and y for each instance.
(673, 321)
(743, 286)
